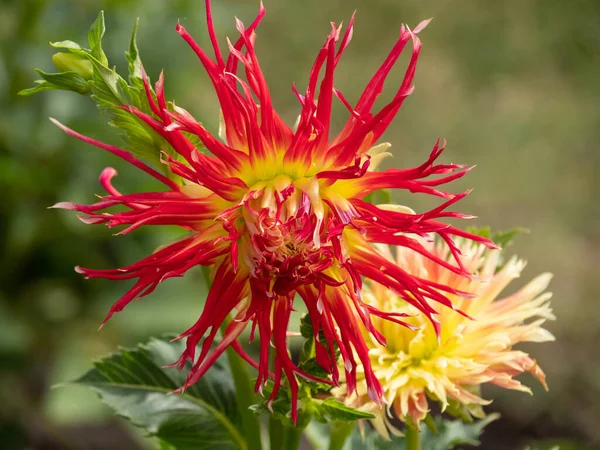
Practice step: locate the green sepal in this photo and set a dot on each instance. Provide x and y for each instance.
(68, 81)
(95, 35)
(133, 57)
(502, 238)
(430, 424)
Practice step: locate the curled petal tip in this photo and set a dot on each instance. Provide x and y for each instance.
(69, 206)
(422, 25)
(374, 395)
(57, 123)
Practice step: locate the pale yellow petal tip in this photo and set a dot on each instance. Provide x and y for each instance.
(396, 208)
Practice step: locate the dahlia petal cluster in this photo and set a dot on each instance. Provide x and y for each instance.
(276, 211)
(421, 365)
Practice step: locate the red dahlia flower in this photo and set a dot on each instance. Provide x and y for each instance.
(276, 211)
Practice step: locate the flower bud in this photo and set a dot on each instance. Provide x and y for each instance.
(70, 62)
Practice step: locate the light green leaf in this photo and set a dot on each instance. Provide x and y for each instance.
(134, 383)
(95, 34)
(338, 411)
(379, 197)
(70, 81)
(42, 85)
(111, 92)
(69, 45)
(133, 56)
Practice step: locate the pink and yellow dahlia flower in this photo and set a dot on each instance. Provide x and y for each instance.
(448, 367)
(278, 211)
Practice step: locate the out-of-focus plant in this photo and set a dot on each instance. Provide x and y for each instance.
(274, 213)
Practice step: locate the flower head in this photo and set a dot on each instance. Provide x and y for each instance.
(277, 211)
(448, 367)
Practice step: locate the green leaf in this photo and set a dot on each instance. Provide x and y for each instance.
(95, 34)
(308, 360)
(506, 237)
(69, 81)
(134, 383)
(42, 85)
(69, 45)
(162, 445)
(466, 413)
(133, 56)
(280, 407)
(379, 197)
(338, 411)
(503, 238)
(451, 434)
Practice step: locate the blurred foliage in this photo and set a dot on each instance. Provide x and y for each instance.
(512, 86)
(443, 435)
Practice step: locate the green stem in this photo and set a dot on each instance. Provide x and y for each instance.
(340, 431)
(413, 441)
(292, 438)
(245, 396)
(276, 433)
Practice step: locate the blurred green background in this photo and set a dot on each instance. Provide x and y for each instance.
(513, 86)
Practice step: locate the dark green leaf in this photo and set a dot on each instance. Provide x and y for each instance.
(134, 383)
(162, 445)
(306, 328)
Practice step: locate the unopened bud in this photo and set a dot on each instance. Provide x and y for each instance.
(70, 62)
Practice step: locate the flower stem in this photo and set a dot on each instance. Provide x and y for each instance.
(276, 433)
(245, 396)
(413, 441)
(340, 431)
(292, 438)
